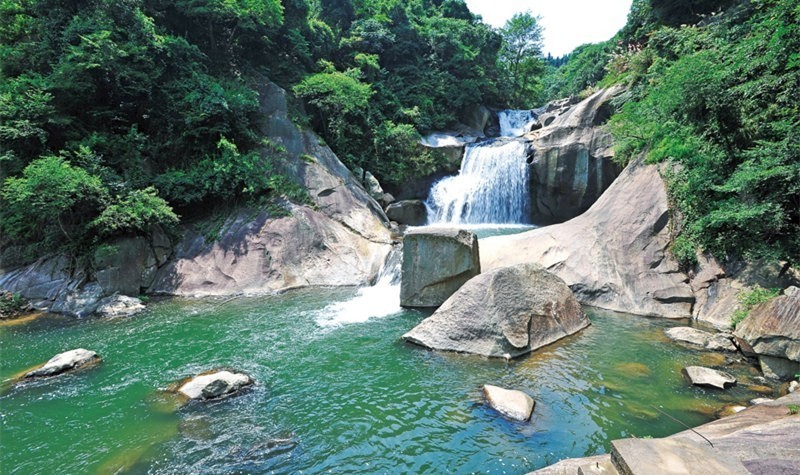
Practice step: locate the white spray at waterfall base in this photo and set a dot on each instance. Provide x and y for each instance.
(376, 301)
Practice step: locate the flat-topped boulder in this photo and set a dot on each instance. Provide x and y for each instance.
(504, 313)
(671, 457)
(214, 385)
(64, 362)
(436, 263)
(513, 404)
(702, 376)
(704, 339)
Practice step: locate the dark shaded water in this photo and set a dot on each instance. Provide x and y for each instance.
(349, 398)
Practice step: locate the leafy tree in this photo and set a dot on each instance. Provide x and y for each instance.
(521, 57)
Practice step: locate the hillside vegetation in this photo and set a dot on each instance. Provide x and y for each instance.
(117, 116)
(714, 91)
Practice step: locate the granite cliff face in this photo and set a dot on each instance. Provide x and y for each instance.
(341, 238)
(571, 158)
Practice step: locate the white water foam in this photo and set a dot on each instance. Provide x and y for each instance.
(515, 123)
(379, 300)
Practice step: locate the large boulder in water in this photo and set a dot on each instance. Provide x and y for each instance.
(504, 313)
(773, 331)
(616, 255)
(436, 262)
(63, 362)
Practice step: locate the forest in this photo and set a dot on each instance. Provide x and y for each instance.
(117, 116)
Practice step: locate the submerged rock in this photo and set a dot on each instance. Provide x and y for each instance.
(701, 376)
(215, 385)
(504, 313)
(63, 362)
(513, 404)
(436, 262)
(709, 341)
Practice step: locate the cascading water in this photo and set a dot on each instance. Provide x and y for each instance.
(515, 123)
(379, 300)
(492, 186)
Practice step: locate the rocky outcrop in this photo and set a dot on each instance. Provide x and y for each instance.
(339, 238)
(571, 158)
(436, 263)
(614, 256)
(63, 362)
(503, 313)
(409, 212)
(701, 376)
(709, 341)
(214, 385)
(717, 288)
(342, 240)
(773, 331)
(513, 404)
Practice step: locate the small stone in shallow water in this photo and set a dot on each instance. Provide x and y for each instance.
(515, 405)
(215, 385)
(701, 376)
(636, 370)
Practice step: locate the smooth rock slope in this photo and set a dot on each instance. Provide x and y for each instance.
(614, 256)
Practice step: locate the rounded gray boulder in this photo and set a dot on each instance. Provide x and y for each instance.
(504, 313)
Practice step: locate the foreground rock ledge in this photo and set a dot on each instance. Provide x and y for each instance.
(709, 341)
(63, 362)
(504, 313)
(215, 385)
(515, 405)
(701, 376)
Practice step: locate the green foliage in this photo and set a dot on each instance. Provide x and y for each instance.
(748, 300)
(585, 67)
(11, 304)
(721, 103)
(793, 409)
(520, 58)
(137, 211)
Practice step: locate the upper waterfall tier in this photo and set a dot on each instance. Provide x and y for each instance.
(491, 187)
(515, 123)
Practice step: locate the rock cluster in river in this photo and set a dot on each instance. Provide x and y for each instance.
(503, 313)
(704, 339)
(436, 263)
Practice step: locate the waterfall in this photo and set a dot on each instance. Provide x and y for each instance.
(379, 300)
(515, 123)
(492, 186)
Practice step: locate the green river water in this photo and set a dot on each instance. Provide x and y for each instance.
(334, 393)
